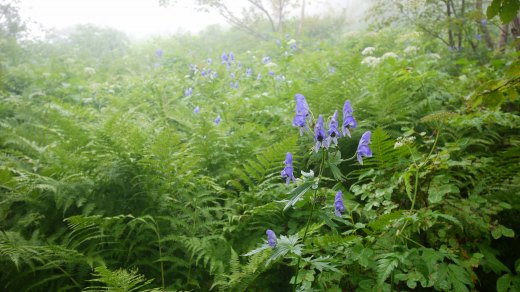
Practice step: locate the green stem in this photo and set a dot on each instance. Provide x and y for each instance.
(160, 252)
(310, 216)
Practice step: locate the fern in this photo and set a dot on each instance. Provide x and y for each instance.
(118, 281)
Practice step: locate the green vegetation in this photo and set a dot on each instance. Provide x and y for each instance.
(115, 176)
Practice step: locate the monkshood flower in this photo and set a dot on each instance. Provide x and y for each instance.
(231, 56)
(266, 60)
(159, 53)
(213, 75)
(196, 110)
(217, 120)
(293, 46)
(271, 73)
(232, 75)
(188, 92)
(319, 133)
(280, 78)
(259, 77)
(348, 120)
(234, 85)
(302, 113)
(239, 64)
(278, 42)
(193, 67)
(333, 132)
(339, 207)
(287, 172)
(478, 37)
(203, 73)
(249, 72)
(363, 149)
(483, 22)
(210, 61)
(271, 238)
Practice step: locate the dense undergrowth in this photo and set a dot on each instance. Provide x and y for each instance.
(116, 173)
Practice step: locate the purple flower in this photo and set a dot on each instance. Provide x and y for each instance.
(210, 61)
(228, 65)
(363, 149)
(271, 73)
(159, 53)
(196, 110)
(333, 132)
(287, 172)
(232, 75)
(302, 112)
(319, 133)
(332, 70)
(348, 120)
(249, 72)
(203, 73)
(224, 58)
(339, 207)
(280, 78)
(483, 22)
(213, 75)
(271, 238)
(233, 85)
(231, 56)
(277, 42)
(266, 60)
(193, 67)
(239, 64)
(188, 92)
(217, 120)
(293, 46)
(259, 77)
(478, 37)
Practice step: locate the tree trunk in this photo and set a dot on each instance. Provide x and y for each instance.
(302, 18)
(483, 27)
(515, 32)
(450, 33)
(502, 41)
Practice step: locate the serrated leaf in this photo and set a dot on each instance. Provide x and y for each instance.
(298, 193)
(439, 187)
(504, 283)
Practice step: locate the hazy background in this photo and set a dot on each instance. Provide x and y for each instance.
(144, 18)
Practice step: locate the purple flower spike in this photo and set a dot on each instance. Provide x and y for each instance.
(224, 58)
(188, 92)
(287, 172)
(363, 149)
(231, 56)
(302, 113)
(271, 238)
(249, 72)
(159, 53)
(339, 207)
(348, 120)
(217, 120)
(319, 133)
(196, 110)
(333, 132)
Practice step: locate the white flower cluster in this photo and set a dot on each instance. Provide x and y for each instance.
(89, 70)
(411, 50)
(434, 56)
(404, 140)
(371, 61)
(368, 51)
(389, 55)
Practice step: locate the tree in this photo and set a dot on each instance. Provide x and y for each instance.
(274, 12)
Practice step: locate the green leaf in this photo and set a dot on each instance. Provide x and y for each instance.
(504, 283)
(439, 187)
(298, 193)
